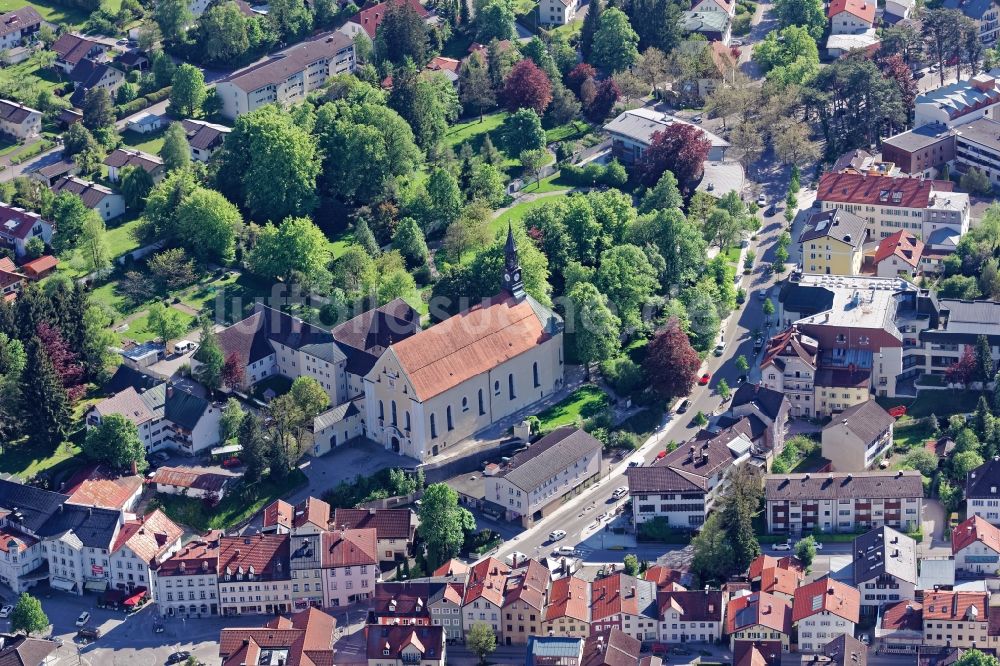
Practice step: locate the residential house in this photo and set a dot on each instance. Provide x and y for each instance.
(394, 529)
(135, 60)
(50, 173)
(983, 13)
(762, 563)
(350, 566)
(761, 415)
(305, 560)
(93, 75)
(189, 483)
(977, 145)
(404, 603)
(254, 574)
(166, 416)
(982, 491)
(186, 584)
(632, 133)
(368, 20)
(691, 616)
(143, 544)
(309, 517)
(839, 502)
(11, 281)
(956, 619)
(568, 611)
(540, 479)
(405, 646)
(722, 6)
(845, 650)
(665, 578)
(901, 628)
(625, 603)
(899, 255)
(851, 17)
(711, 64)
(287, 76)
(20, 650)
(71, 49)
(975, 545)
(948, 331)
(885, 568)
(833, 243)
(97, 485)
(18, 226)
(788, 366)
(858, 437)
(557, 12)
(958, 103)
(145, 123)
(120, 158)
(448, 382)
(889, 204)
(205, 139)
(897, 10)
(715, 26)
(305, 638)
(484, 595)
(98, 198)
(782, 582)
(338, 425)
(757, 653)
(823, 610)
(759, 616)
(18, 26)
(525, 600)
(445, 603)
(613, 647)
(19, 121)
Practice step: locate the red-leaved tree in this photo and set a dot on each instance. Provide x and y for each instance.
(680, 149)
(604, 100)
(671, 362)
(578, 75)
(233, 371)
(527, 86)
(66, 364)
(963, 370)
(896, 69)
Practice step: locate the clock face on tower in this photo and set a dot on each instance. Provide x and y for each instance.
(506, 276)
(517, 275)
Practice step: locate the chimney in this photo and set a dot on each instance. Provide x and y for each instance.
(632, 593)
(170, 390)
(133, 467)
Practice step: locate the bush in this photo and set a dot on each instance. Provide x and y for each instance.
(624, 375)
(141, 103)
(660, 531)
(564, 151)
(741, 25)
(612, 175)
(622, 439)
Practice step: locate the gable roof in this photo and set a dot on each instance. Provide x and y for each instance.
(692, 605)
(268, 554)
(622, 594)
(984, 481)
(611, 647)
(879, 190)
(306, 637)
(907, 615)
(763, 561)
(845, 650)
(528, 583)
(15, 113)
(759, 608)
(387, 523)
(863, 9)
(371, 18)
(190, 478)
(251, 338)
(452, 567)
(826, 595)
(202, 135)
(555, 452)
(16, 222)
(882, 551)
(790, 341)
(346, 548)
(473, 342)
(775, 580)
(73, 48)
(19, 19)
(90, 192)
(86, 75)
(20, 650)
(389, 642)
(28, 506)
(836, 485)
(284, 64)
(867, 420)
(364, 338)
(951, 605)
(149, 537)
(901, 244)
(96, 485)
(836, 224)
(487, 580)
(310, 510)
(768, 401)
(125, 157)
(972, 530)
(93, 527)
(569, 597)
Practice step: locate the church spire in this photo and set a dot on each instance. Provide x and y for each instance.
(512, 282)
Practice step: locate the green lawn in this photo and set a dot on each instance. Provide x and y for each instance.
(569, 31)
(732, 254)
(25, 80)
(55, 12)
(517, 213)
(26, 460)
(574, 129)
(138, 328)
(939, 403)
(340, 243)
(147, 143)
(475, 131)
(910, 433)
(203, 295)
(582, 403)
(552, 183)
(119, 240)
(236, 506)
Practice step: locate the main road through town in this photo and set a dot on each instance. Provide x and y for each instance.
(580, 517)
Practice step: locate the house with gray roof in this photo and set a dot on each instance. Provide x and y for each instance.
(983, 12)
(103, 200)
(537, 480)
(19, 121)
(959, 102)
(715, 26)
(204, 139)
(18, 25)
(858, 437)
(982, 491)
(885, 568)
(632, 133)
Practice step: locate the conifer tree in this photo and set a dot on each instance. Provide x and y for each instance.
(45, 410)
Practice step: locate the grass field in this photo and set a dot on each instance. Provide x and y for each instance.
(552, 183)
(26, 460)
(25, 80)
(582, 403)
(55, 13)
(119, 240)
(147, 143)
(203, 295)
(517, 213)
(909, 433)
(574, 129)
(138, 328)
(475, 131)
(939, 403)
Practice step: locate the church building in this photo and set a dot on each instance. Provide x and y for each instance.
(442, 385)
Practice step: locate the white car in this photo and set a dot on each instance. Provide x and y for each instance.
(6, 610)
(557, 535)
(620, 492)
(83, 619)
(781, 546)
(563, 551)
(762, 201)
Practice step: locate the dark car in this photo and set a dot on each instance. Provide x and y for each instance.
(88, 634)
(683, 407)
(178, 657)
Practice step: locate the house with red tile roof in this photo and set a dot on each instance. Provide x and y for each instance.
(568, 609)
(255, 574)
(395, 529)
(452, 567)
(691, 616)
(665, 578)
(36, 269)
(484, 595)
(303, 639)
(975, 545)
(763, 562)
(624, 602)
(370, 18)
(18, 226)
(525, 599)
(613, 647)
(850, 17)
(11, 280)
(956, 619)
(349, 561)
(899, 255)
(759, 616)
(97, 485)
(141, 545)
(180, 580)
(901, 628)
(404, 645)
(310, 516)
(824, 609)
(780, 582)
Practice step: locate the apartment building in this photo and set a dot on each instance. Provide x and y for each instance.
(395, 529)
(568, 610)
(889, 204)
(975, 545)
(977, 144)
(958, 103)
(945, 332)
(557, 12)
(982, 491)
(985, 14)
(311, 516)
(484, 595)
(921, 151)
(349, 566)
(526, 595)
(305, 638)
(759, 617)
(823, 610)
(543, 477)
(833, 243)
(858, 437)
(186, 584)
(885, 568)
(625, 603)
(305, 561)
(254, 574)
(901, 628)
(288, 76)
(691, 616)
(788, 366)
(839, 502)
(956, 619)
(899, 255)
(141, 546)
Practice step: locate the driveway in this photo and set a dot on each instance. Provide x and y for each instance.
(935, 520)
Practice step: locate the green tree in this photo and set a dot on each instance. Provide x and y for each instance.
(628, 279)
(631, 564)
(443, 523)
(713, 556)
(475, 89)
(187, 92)
(98, 109)
(532, 162)
(665, 194)
(805, 550)
(136, 184)
(173, 17)
(595, 329)
(495, 20)
(742, 364)
(93, 243)
(739, 503)
(68, 213)
(984, 360)
(175, 151)
(482, 640)
(722, 388)
(211, 361)
(808, 14)
(921, 460)
(222, 35)
(974, 657)
(409, 240)
(165, 322)
(402, 35)
(209, 224)
(589, 28)
(45, 408)
(291, 19)
(78, 139)
(250, 436)
(28, 615)
(768, 307)
(297, 246)
(115, 441)
(231, 420)
(616, 44)
(963, 463)
(445, 197)
(522, 130)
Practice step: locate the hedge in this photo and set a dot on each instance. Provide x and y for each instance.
(612, 175)
(140, 103)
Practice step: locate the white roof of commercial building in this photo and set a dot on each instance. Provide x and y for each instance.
(848, 42)
(860, 302)
(641, 124)
(962, 97)
(721, 178)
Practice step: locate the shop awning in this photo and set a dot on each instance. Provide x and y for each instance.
(63, 584)
(138, 596)
(96, 585)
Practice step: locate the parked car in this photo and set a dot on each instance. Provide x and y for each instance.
(634, 463)
(620, 492)
(563, 551)
(661, 455)
(719, 349)
(762, 200)
(696, 119)
(178, 657)
(736, 42)
(6, 610)
(557, 535)
(83, 619)
(232, 462)
(680, 649)
(88, 634)
(683, 407)
(162, 456)
(762, 294)
(781, 546)
(704, 379)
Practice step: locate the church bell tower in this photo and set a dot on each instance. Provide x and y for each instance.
(512, 282)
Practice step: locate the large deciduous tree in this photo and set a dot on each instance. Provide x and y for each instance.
(187, 92)
(210, 224)
(616, 44)
(681, 149)
(808, 14)
(443, 523)
(28, 615)
(402, 35)
(671, 363)
(595, 328)
(527, 86)
(297, 246)
(115, 441)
